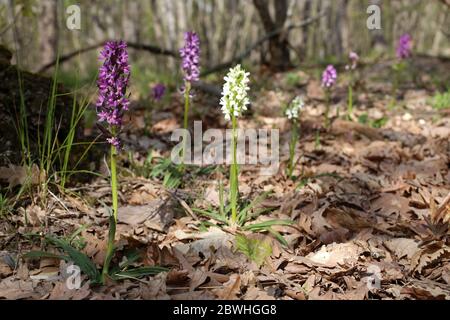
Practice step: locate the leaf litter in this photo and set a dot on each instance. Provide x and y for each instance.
(370, 216)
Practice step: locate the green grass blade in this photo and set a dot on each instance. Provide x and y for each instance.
(243, 214)
(80, 259)
(267, 224)
(278, 236)
(210, 214)
(42, 254)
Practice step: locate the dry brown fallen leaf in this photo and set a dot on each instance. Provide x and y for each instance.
(155, 288)
(255, 293)
(165, 126)
(62, 292)
(231, 289)
(34, 215)
(426, 289)
(155, 213)
(441, 213)
(19, 175)
(12, 288)
(431, 254)
(314, 90)
(344, 127)
(140, 197)
(403, 248)
(334, 254)
(194, 295)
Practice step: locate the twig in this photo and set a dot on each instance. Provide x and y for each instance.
(184, 205)
(59, 201)
(137, 46)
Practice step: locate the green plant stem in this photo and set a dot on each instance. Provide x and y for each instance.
(292, 144)
(350, 103)
(327, 110)
(50, 137)
(69, 144)
(186, 118)
(113, 217)
(22, 123)
(317, 140)
(395, 85)
(114, 182)
(234, 171)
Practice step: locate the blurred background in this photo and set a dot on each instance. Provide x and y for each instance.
(277, 34)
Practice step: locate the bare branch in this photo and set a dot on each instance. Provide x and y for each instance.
(137, 46)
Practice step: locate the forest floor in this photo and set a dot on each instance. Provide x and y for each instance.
(370, 211)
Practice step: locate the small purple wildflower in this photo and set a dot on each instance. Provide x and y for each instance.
(329, 77)
(354, 58)
(404, 47)
(190, 55)
(158, 91)
(112, 84)
(114, 141)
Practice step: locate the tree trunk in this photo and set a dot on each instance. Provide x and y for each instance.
(48, 31)
(279, 55)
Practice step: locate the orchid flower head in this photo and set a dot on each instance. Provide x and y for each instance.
(235, 98)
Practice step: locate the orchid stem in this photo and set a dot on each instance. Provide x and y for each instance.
(327, 110)
(113, 217)
(187, 90)
(292, 144)
(350, 103)
(234, 171)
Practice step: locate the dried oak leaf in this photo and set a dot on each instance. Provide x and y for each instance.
(430, 255)
(334, 254)
(231, 289)
(12, 288)
(403, 247)
(62, 292)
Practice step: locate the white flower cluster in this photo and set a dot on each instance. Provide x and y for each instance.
(292, 112)
(234, 95)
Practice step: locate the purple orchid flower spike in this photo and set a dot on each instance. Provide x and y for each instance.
(158, 91)
(112, 85)
(329, 76)
(404, 47)
(190, 56)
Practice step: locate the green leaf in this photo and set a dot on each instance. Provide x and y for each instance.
(211, 214)
(80, 259)
(441, 100)
(267, 224)
(221, 200)
(256, 250)
(43, 254)
(278, 236)
(243, 214)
